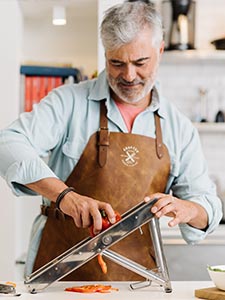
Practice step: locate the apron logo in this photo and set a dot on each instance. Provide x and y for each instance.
(130, 157)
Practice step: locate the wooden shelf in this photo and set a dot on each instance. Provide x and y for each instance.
(210, 127)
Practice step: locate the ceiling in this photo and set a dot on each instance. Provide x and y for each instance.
(36, 9)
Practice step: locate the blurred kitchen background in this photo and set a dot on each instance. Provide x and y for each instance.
(192, 75)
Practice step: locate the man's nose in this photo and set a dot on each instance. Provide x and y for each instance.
(129, 73)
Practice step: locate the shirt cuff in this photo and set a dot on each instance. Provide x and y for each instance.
(27, 171)
(194, 235)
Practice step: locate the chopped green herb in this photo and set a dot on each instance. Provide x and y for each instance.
(215, 269)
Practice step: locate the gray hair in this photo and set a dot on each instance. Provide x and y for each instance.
(123, 22)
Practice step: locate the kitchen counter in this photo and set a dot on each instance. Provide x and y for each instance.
(182, 290)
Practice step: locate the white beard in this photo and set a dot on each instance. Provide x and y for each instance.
(131, 96)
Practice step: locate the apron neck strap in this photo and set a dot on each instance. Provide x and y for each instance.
(103, 138)
(103, 114)
(158, 134)
(103, 135)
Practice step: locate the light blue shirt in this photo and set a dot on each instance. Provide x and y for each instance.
(59, 128)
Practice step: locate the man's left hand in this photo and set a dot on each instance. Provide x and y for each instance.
(181, 211)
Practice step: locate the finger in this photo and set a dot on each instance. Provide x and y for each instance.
(82, 215)
(147, 198)
(86, 219)
(175, 221)
(97, 220)
(153, 196)
(77, 221)
(163, 202)
(168, 210)
(109, 211)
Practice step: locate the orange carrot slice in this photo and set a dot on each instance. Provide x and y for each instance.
(11, 283)
(92, 288)
(102, 263)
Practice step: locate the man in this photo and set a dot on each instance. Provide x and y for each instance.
(144, 149)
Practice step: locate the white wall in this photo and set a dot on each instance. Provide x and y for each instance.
(74, 43)
(10, 52)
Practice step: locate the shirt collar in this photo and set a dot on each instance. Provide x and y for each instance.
(100, 88)
(156, 103)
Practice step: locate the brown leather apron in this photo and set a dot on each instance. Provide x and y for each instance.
(118, 168)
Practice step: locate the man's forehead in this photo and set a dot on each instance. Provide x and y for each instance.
(128, 56)
(132, 51)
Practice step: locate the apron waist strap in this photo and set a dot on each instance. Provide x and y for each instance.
(53, 212)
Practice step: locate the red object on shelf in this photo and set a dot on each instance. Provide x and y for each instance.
(28, 93)
(50, 83)
(35, 89)
(43, 87)
(58, 81)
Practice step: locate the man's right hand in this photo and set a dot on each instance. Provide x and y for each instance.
(86, 211)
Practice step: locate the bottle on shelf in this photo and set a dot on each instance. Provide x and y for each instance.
(202, 114)
(220, 114)
(219, 117)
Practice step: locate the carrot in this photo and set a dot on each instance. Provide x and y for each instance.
(11, 283)
(102, 263)
(92, 288)
(105, 224)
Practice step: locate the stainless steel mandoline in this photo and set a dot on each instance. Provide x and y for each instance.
(90, 247)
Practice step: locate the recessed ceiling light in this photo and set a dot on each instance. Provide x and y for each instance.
(59, 15)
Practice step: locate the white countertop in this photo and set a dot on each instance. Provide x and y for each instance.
(181, 290)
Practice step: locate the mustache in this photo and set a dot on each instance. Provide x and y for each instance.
(125, 82)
